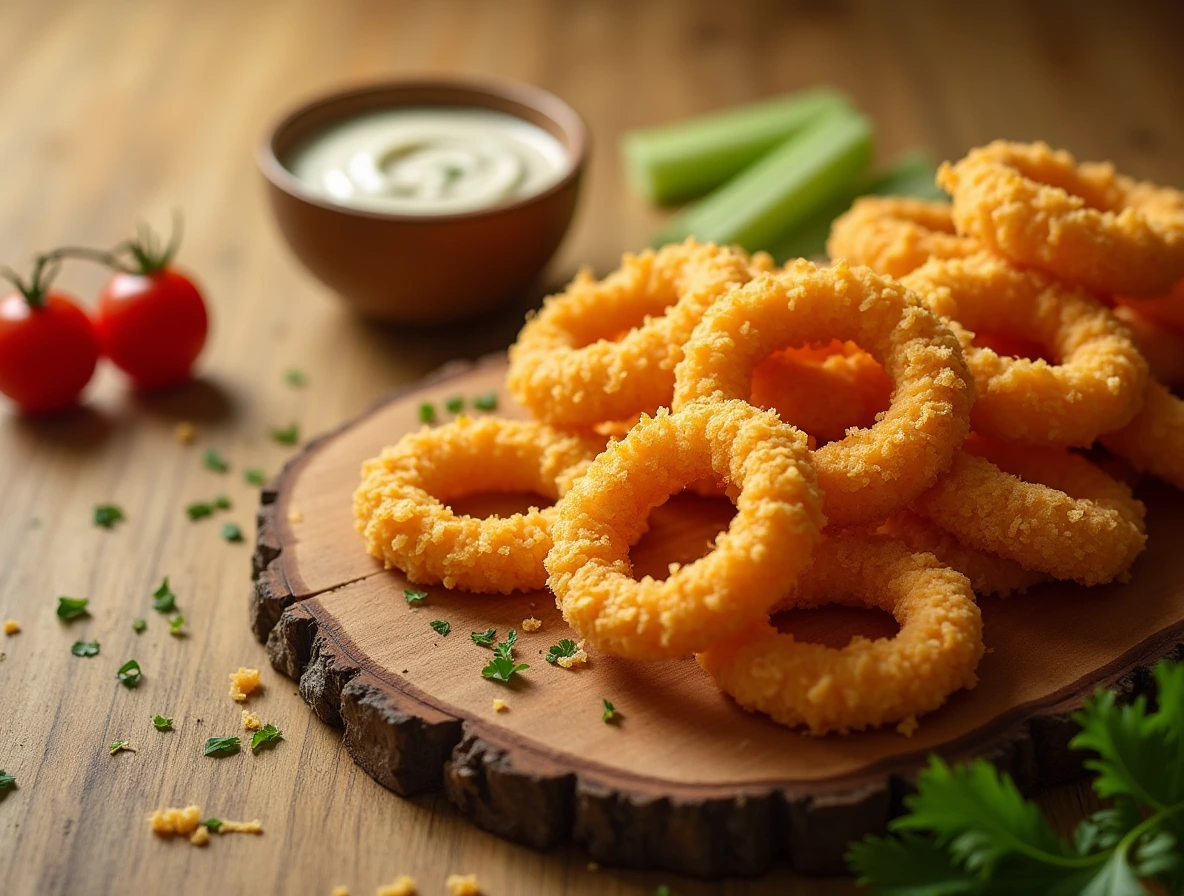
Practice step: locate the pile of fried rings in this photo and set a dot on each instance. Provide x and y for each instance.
(897, 429)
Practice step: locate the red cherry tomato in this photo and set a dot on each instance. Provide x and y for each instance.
(152, 326)
(48, 350)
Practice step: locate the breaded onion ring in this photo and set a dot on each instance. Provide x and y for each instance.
(1167, 309)
(399, 508)
(1085, 223)
(1046, 509)
(873, 472)
(989, 574)
(894, 235)
(572, 366)
(867, 683)
(778, 520)
(1097, 386)
(1154, 441)
(823, 392)
(1161, 346)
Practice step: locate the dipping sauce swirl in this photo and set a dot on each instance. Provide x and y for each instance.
(421, 160)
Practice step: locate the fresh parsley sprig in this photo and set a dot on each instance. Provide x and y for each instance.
(267, 736)
(565, 648)
(969, 830)
(485, 638)
(502, 667)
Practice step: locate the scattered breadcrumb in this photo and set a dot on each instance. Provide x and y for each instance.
(185, 433)
(251, 722)
(531, 624)
(200, 837)
(463, 885)
(500, 705)
(340, 891)
(908, 726)
(575, 659)
(241, 827)
(242, 683)
(11, 626)
(295, 516)
(166, 822)
(404, 886)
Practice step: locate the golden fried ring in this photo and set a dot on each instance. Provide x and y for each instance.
(1159, 344)
(870, 473)
(778, 520)
(1085, 223)
(572, 366)
(1154, 441)
(894, 235)
(1166, 309)
(989, 574)
(1097, 386)
(867, 683)
(1046, 509)
(399, 507)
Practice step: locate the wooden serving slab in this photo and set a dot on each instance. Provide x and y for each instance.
(685, 780)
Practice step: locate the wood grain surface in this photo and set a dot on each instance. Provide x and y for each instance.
(125, 110)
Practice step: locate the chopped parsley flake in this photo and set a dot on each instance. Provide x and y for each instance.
(506, 647)
(286, 435)
(130, 674)
(254, 476)
(222, 746)
(564, 648)
(212, 825)
(176, 628)
(215, 461)
(199, 510)
(117, 745)
(485, 638)
(6, 780)
(266, 737)
(232, 533)
(486, 402)
(427, 412)
(163, 599)
(295, 378)
(107, 515)
(71, 608)
(85, 648)
(610, 712)
(139, 625)
(454, 405)
(414, 597)
(222, 503)
(441, 626)
(503, 669)
(162, 723)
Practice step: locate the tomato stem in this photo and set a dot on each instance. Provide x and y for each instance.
(35, 289)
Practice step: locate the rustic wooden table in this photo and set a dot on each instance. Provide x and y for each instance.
(117, 112)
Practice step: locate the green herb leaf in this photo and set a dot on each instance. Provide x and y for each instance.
(138, 625)
(162, 723)
(486, 402)
(663, 890)
(564, 648)
(254, 476)
(163, 599)
(485, 638)
(506, 648)
(909, 865)
(221, 503)
(232, 533)
(71, 608)
(85, 648)
(6, 780)
(176, 626)
(117, 745)
(286, 435)
(414, 597)
(222, 746)
(215, 461)
(610, 712)
(454, 405)
(107, 515)
(213, 825)
(427, 412)
(441, 627)
(199, 510)
(295, 378)
(502, 668)
(130, 674)
(266, 737)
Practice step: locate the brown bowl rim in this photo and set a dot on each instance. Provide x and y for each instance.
(475, 88)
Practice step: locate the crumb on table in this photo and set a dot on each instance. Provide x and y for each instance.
(531, 624)
(295, 516)
(167, 822)
(403, 886)
(500, 705)
(242, 683)
(575, 659)
(463, 885)
(11, 626)
(200, 837)
(251, 722)
(908, 726)
(185, 433)
(241, 827)
(340, 890)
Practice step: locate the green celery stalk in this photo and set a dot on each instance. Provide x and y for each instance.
(782, 189)
(685, 160)
(909, 174)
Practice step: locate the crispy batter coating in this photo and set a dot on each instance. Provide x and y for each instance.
(606, 349)
(1085, 224)
(1154, 441)
(894, 235)
(823, 392)
(989, 574)
(873, 472)
(1096, 384)
(867, 683)
(400, 508)
(777, 522)
(1161, 346)
(1166, 309)
(1045, 508)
